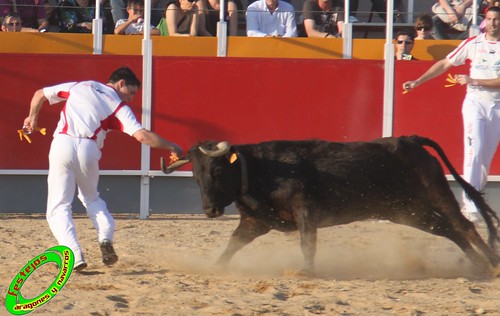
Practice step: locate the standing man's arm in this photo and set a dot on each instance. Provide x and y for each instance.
(437, 69)
(156, 141)
(37, 101)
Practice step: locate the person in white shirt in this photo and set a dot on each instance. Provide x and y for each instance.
(271, 18)
(91, 109)
(481, 106)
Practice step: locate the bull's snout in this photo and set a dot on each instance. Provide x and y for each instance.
(214, 211)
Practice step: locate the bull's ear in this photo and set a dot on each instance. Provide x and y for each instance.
(233, 157)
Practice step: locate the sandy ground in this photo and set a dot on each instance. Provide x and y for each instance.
(166, 268)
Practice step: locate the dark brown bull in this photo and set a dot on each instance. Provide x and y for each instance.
(305, 185)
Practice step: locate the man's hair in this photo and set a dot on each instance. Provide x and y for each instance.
(424, 21)
(131, 3)
(124, 73)
(408, 33)
(493, 9)
(11, 15)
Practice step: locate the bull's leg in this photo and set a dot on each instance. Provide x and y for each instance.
(447, 221)
(463, 236)
(248, 229)
(308, 229)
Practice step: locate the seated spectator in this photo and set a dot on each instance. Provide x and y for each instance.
(75, 16)
(135, 22)
(210, 16)
(119, 10)
(452, 22)
(423, 27)
(31, 12)
(181, 19)
(323, 18)
(404, 45)
(11, 23)
(271, 18)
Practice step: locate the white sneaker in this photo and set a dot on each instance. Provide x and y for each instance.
(80, 265)
(474, 217)
(353, 19)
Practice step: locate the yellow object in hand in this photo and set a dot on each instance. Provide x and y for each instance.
(451, 79)
(23, 133)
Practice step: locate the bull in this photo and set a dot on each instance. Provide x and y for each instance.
(309, 184)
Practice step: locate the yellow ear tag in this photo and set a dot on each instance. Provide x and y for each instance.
(233, 158)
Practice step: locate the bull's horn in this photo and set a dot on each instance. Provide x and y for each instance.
(222, 148)
(172, 166)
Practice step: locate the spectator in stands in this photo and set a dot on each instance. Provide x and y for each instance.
(210, 10)
(404, 45)
(135, 22)
(12, 23)
(181, 19)
(423, 27)
(75, 16)
(119, 10)
(452, 22)
(323, 18)
(31, 12)
(271, 18)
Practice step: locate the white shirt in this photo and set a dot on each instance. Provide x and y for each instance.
(261, 22)
(133, 28)
(92, 109)
(484, 56)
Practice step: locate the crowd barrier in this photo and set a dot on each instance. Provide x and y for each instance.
(322, 48)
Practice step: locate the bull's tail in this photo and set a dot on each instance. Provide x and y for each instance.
(486, 212)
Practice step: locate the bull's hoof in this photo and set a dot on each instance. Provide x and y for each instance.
(496, 271)
(298, 273)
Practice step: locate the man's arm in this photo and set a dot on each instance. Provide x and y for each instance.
(435, 70)
(291, 25)
(154, 140)
(253, 23)
(37, 101)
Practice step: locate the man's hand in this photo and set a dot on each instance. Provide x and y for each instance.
(410, 85)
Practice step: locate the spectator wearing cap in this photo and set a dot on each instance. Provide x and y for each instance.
(271, 18)
(423, 27)
(323, 18)
(404, 45)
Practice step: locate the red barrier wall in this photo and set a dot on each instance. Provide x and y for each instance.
(237, 99)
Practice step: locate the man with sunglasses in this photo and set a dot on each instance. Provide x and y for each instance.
(12, 23)
(481, 106)
(404, 45)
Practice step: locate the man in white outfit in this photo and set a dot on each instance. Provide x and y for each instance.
(91, 110)
(481, 106)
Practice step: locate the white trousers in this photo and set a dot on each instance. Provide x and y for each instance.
(74, 162)
(481, 119)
